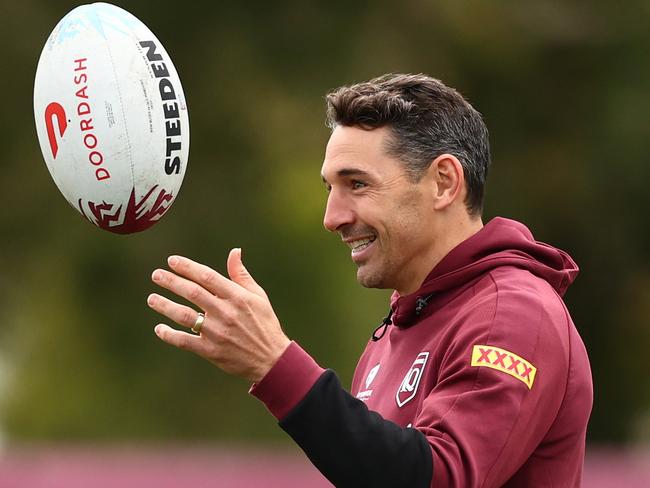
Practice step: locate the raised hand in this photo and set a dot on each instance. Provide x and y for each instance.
(240, 332)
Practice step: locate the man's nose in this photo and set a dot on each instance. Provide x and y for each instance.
(338, 212)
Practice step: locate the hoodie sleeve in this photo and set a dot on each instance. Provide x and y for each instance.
(502, 379)
(350, 445)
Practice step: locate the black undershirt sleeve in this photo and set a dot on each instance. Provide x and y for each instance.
(353, 446)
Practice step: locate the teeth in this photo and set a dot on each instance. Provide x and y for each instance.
(361, 244)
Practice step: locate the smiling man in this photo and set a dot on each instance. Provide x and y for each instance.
(386, 213)
(477, 376)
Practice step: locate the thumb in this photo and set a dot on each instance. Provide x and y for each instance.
(240, 275)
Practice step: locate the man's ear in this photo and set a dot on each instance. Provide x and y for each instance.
(449, 181)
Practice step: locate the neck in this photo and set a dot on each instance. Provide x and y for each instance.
(447, 235)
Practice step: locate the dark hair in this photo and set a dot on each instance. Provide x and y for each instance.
(426, 118)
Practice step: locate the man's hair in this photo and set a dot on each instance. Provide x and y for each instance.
(426, 119)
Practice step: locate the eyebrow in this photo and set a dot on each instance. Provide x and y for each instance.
(349, 172)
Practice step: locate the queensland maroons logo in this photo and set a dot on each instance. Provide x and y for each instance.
(409, 387)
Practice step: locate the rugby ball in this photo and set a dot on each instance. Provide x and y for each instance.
(111, 118)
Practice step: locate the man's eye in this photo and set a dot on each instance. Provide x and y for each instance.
(356, 185)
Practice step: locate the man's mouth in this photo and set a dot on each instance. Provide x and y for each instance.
(359, 245)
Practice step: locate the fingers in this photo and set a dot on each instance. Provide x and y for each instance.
(191, 291)
(182, 340)
(180, 314)
(208, 278)
(240, 275)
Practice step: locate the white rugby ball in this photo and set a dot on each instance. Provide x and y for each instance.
(111, 118)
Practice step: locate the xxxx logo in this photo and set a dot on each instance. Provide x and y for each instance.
(504, 361)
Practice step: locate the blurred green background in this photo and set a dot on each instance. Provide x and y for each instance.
(563, 87)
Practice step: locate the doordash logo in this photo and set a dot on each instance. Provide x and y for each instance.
(55, 111)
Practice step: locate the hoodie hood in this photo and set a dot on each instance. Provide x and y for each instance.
(501, 242)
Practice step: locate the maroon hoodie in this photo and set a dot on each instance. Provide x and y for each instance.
(482, 365)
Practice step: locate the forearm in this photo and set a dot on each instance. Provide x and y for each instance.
(353, 446)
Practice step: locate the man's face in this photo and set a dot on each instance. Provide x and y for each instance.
(385, 218)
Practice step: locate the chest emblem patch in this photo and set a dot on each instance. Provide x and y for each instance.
(504, 361)
(364, 395)
(371, 376)
(409, 387)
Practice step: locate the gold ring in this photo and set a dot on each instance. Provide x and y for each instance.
(198, 324)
